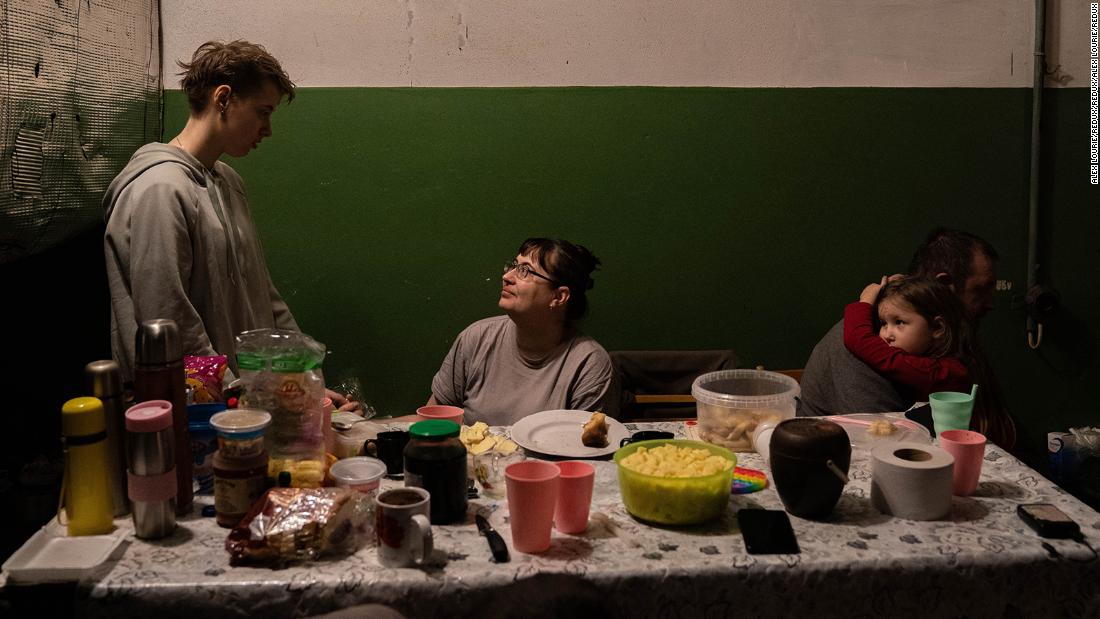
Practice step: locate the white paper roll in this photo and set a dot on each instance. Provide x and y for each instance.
(911, 480)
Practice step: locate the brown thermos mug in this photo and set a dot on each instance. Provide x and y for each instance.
(159, 375)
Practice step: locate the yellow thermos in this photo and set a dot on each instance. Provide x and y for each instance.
(87, 477)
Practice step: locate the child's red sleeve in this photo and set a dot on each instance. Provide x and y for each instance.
(923, 375)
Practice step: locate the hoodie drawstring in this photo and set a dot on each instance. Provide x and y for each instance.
(228, 229)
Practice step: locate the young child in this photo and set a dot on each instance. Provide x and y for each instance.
(920, 341)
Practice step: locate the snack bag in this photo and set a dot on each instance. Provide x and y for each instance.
(288, 525)
(204, 377)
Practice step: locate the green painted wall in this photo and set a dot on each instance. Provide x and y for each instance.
(724, 217)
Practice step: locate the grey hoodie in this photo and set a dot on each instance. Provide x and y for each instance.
(181, 244)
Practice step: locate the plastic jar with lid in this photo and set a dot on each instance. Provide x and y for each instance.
(435, 460)
(240, 464)
(240, 431)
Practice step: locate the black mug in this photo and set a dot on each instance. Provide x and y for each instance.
(389, 447)
(646, 435)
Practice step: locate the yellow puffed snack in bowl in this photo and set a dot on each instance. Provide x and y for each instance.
(677, 482)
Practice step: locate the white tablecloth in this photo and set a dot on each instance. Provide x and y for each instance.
(983, 562)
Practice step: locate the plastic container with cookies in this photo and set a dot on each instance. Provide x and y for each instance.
(731, 403)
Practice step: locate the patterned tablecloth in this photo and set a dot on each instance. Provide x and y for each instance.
(983, 562)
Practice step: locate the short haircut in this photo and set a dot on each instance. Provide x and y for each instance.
(949, 251)
(568, 265)
(241, 65)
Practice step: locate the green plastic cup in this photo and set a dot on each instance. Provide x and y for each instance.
(951, 410)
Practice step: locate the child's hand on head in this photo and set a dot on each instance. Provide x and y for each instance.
(870, 293)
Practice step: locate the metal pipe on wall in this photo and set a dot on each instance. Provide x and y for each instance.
(1033, 185)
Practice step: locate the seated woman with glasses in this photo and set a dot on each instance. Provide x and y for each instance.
(533, 358)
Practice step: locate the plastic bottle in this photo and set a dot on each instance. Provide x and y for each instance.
(280, 372)
(159, 375)
(88, 504)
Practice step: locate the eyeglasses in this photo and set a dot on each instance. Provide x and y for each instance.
(523, 270)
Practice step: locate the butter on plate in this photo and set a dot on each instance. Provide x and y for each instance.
(478, 440)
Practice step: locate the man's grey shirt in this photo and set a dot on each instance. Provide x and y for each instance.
(835, 382)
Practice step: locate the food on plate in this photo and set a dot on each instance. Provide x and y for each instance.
(881, 427)
(594, 432)
(673, 461)
(478, 440)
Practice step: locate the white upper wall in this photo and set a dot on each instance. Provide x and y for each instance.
(725, 43)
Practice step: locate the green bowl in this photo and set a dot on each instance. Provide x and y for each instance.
(675, 500)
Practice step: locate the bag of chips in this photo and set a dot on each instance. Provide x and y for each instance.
(204, 377)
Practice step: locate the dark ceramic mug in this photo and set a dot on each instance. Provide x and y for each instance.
(646, 435)
(389, 447)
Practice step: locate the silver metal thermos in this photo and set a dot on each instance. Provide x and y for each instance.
(159, 375)
(105, 383)
(150, 456)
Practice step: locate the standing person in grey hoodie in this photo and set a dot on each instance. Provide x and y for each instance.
(180, 241)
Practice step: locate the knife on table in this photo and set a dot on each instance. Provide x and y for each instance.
(496, 542)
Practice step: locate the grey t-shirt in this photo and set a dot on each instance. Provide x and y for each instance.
(836, 382)
(485, 374)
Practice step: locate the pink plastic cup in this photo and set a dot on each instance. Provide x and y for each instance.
(968, 448)
(439, 411)
(532, 494)
(574, 496)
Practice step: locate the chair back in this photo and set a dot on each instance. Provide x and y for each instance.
(656, 384)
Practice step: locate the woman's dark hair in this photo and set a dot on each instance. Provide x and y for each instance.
(241, 65)
(933, 299)
(567, 264)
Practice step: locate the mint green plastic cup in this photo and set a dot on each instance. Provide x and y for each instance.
(951, 410)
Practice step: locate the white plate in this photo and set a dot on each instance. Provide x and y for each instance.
(51, 556)
(907, 429)
(558, 433)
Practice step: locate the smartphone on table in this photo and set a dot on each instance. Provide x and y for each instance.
(767, 532)
(1048, 520)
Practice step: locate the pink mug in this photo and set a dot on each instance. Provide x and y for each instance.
(968, 448)
(440, 411)
(574, 496)
(532, 495)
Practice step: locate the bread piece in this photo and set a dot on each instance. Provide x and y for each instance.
(594, 433)
(881, 427)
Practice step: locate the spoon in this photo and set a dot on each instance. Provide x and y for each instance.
(346, 424)
(343, 424)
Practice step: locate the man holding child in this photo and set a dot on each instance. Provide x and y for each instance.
(835, 381)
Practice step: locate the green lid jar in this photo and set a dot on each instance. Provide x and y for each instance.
(435, 460)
